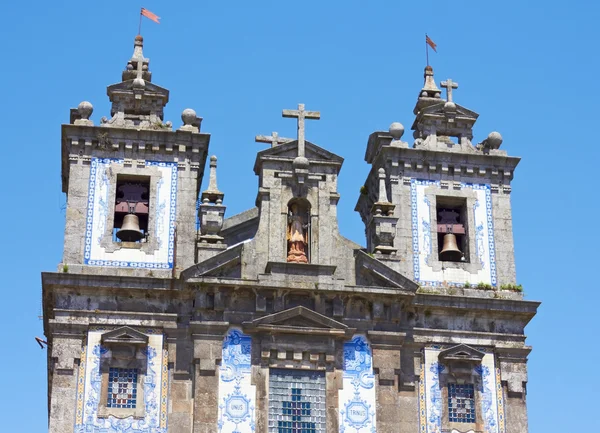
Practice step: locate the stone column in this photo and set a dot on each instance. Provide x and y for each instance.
(208, 348)
(386, 365)
(65, 359)
(180, 382)
(333, 383)
(260, 378)
(513, 373)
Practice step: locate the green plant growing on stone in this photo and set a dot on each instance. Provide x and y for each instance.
(363, 190)
(452, 291)
(512, 287)
(467, 285)
(65, 268)
(484, 286)
(428, 291)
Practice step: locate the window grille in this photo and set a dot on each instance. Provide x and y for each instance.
(296, 401)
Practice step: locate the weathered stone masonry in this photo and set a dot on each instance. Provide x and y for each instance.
(271, 320)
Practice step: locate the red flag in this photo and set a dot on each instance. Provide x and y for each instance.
(150, 15)
(429, 42)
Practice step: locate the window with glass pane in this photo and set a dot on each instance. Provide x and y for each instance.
(122, 388)
(296, 401)
(461, 403)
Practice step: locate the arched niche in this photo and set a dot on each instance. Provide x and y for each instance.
(298, 232)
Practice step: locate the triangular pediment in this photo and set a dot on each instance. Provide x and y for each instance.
(438, 109)
(124, 335)
(289, 151)
(127, 86)
(296, 318)
(311, 150)
(461, 352)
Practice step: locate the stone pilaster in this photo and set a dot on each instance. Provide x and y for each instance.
(65, 358)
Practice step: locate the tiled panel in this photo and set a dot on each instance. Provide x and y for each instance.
(237, 395)
(422, 245)
(89, 388)
(97, 214)
(357, 396)
(490, 406)
(296, 401)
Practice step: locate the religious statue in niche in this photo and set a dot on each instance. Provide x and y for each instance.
(297, 236)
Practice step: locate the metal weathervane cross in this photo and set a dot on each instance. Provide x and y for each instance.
(449, 85)
(274, 139)
(301, 115)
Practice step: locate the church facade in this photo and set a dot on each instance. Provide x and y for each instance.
(166, 316)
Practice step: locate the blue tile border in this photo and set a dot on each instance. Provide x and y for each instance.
(95, 165)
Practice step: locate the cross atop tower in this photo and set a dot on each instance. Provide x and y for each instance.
(301, 114)
(449, 85)
(274, 139)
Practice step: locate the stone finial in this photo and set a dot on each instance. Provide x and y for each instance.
(383, 222)
(493, 141)
(212, 194)
(382, 206)
(85, 109)
(397, 130)
(136, 101)
(81, 115)
(382, 190)
(191, 122)
(211, 211)
(429, 90)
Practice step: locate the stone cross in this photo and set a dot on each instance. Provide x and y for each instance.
(449, 85)
(301, 114)
(274, 139)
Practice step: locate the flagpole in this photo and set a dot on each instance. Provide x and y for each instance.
(426, 50)
(140, 26)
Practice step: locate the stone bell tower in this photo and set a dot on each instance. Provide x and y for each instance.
(448, 218)
(132, 181)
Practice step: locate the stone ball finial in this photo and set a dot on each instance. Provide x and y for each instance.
(381, 172)
(139, 39)
(301, 163)
(494, 140)
(397, 130)
(139, 83)
(85, 109)
(129, 66)
(449, 106)
(213, 161)
(188, 116)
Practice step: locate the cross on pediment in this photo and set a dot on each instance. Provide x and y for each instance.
(274, 139)
(301, 115)
(449, 85)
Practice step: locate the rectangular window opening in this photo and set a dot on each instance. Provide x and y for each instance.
(132, 208)
(296, 401)
(461, 403)
(122, 388)
(452, 233)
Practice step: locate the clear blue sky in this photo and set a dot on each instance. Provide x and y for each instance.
(528, 68)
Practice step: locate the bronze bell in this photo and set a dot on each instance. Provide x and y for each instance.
(130, 229)
(450, 251)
